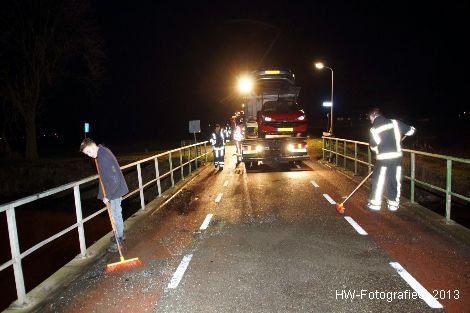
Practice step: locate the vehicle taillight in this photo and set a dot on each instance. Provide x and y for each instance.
(297, 147)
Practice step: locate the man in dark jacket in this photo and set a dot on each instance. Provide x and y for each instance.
(385, 140)
(113, 181)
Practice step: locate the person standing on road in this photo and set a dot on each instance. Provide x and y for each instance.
(385, 140)
(218, 144)
(238, 136)
(113, 181)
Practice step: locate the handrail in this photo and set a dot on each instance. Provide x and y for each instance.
(9, 208)
(413, 181)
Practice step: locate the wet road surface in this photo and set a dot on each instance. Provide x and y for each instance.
(269, 240)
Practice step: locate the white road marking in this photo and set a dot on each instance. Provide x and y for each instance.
(422, 292)
(219, 197)
(327, 197)
(226, 183)
(314, 184)
(206, 222)
(356, 226)
(178, 275)
(298, 166)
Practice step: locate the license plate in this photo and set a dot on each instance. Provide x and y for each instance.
(288, 129)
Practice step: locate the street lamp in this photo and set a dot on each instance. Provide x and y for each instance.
(320, 66)
(245, 86)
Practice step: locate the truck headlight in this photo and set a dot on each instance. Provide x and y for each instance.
(301, 118)
(290, 147)
(259, 148)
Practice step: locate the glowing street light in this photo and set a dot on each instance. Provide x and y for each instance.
(245, 85)
(320, 66)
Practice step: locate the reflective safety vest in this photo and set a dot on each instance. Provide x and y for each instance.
(386, 135)
(237, 134)
(217, 140)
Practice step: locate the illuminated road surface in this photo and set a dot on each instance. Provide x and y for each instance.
(270, 240)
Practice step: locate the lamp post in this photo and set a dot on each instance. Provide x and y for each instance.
(245, 85)
(320, 66)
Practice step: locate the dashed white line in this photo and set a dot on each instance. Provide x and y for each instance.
(178, 275)
(314, 184)
(356, 226)
(226, 183)
(206, 222)
(422, 292)
(219, 197)
(327, 197)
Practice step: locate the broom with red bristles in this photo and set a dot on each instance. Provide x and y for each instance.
(123, 263)
(340, 206)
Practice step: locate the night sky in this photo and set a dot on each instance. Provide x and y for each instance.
(173, 62)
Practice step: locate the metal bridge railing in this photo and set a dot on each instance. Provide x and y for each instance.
(199, 151)
(338, 147)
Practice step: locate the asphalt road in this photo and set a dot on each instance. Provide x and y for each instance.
(274, 243)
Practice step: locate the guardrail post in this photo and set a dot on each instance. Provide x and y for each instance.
(448, 189)
(344, 157)
(78, 211)
(412, 176)
(157, 173)
(189, 160)
(171, 170)
(141, 189)
(336, 150)
(195, 149)
(181, 164)
(369, 159)
(323, 148)
(16, 255)
(355, 158)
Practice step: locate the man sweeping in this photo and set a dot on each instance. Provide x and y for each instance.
(113, 182)
(385, 140)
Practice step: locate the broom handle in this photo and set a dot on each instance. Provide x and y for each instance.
(109, 210)
(358, 186)
(363, 181)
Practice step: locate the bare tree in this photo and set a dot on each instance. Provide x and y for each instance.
(44, 42)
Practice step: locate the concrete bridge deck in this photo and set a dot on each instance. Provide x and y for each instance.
(274, 243)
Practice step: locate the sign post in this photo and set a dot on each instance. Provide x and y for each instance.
(195, 127)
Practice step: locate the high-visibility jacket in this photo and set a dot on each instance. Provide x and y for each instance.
(237, 134)
(217, 140)
(386, 135)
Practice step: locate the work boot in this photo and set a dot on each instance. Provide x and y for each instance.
(221, 168)
(372, 207)
(393, 208)
(113, 247)
(122, 239)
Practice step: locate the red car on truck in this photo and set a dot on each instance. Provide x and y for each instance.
(282, 117)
